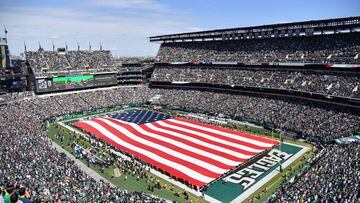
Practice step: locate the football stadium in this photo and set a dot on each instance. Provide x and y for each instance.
(259, 113)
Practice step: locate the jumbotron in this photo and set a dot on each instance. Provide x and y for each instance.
(265, 113)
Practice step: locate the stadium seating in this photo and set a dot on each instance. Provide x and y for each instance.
(344, 84)
(338, 48)
(51, 62)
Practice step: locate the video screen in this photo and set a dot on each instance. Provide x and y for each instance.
(61, 83)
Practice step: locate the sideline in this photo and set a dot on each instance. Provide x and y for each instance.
(82, 166)
(177, 183)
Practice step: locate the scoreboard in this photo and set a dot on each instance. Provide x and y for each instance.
(64, 83)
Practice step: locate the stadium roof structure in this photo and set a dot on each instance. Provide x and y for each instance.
(305, 28)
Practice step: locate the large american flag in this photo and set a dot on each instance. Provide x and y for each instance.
(190, 150)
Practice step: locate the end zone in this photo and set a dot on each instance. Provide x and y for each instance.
(239, 185)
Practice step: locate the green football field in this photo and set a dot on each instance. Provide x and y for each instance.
(220, 191)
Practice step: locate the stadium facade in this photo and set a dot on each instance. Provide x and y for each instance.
(297, 82)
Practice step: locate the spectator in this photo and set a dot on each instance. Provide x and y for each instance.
(14, 198)
(24, 195)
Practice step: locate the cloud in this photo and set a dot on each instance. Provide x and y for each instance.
(126, 31)
(281, 22)
(129, 4)
(194, 29)
(54, 37)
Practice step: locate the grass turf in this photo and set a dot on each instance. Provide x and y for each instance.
(131, 184)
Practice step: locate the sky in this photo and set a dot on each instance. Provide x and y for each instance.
(123, 26)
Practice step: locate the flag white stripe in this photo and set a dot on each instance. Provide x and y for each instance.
(165, 149)
(226, 134)
(200, 142)
(191, 173)
(184, 146)
(209, 137)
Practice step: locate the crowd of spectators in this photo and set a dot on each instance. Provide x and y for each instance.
(335, 48)
(346, 84)
(136, 60)
(13, 96)
(30, 161)
(323, 121)
(335, 177)
(46, 62)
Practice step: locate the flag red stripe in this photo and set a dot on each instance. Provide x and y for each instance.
(214, 151)
(241, 134)
(160, 153)
(175, 148)
(217, 135)
(208, 140)
(192, 144)
(164, 167)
